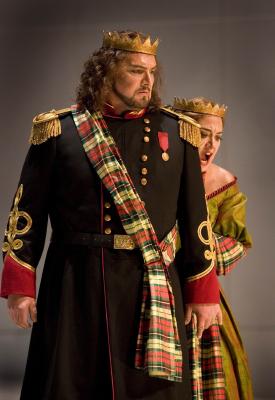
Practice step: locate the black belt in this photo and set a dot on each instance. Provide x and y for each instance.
(119, 242)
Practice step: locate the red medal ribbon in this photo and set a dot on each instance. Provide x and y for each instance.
(163, 141)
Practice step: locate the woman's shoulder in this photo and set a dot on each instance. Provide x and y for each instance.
(222, 175)
(223, 179)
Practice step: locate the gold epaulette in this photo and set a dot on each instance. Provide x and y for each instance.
(189, 129)
(46, 125)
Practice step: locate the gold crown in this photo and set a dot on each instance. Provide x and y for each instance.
(122, 41)
(200, 106)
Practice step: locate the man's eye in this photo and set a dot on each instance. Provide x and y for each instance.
(137, 71)
(218, 138)
(204, 134)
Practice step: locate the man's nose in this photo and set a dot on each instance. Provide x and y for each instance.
(147, 78)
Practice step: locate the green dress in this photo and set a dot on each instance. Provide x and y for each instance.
(227, 215)
(218, 361)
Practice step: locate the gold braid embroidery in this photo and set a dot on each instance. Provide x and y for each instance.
(208, 254)
(12, 231)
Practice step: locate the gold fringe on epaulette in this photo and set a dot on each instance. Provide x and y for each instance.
(45, 126)
(190, 132)
(189, 129)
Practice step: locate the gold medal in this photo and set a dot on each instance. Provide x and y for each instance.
(165, 156)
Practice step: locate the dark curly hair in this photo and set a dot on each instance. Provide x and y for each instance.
(97, 77)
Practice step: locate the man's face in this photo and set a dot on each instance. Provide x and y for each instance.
(133, 82)
(211, 135)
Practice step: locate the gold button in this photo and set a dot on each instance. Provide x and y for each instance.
(107, 205)
(107, 217)
(143, 203)
(108, 231)
(147, 129)
(146, 120)
(144, 157)
(144, 171)
(146, 139)
(143, 181)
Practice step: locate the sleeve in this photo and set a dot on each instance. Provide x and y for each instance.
(231, 219)
(205, 290)
(27, 224)
(195, 259)
(228, 252)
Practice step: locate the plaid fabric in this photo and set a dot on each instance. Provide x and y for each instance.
(168, 246)
(205, 362)
(194, 359)
(205, 356)
(158, 346)
(228, 252)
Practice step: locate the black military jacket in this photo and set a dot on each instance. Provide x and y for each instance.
(59, 181)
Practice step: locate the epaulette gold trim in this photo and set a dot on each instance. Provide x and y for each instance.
(189, 129)
(46, 125)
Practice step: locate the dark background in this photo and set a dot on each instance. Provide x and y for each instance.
(222, 49)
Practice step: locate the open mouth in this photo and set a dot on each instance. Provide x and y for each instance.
(205, 157)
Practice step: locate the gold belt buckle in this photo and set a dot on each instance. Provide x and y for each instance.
(123, 242)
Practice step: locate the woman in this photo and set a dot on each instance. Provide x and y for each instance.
(226, 206)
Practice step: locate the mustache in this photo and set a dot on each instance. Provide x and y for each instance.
(144, 89)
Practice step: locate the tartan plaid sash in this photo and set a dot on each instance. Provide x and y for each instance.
(158, 349)
(205, 362)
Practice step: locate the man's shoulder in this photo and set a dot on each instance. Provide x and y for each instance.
(47, 125)
(170, 112)
(189, 129)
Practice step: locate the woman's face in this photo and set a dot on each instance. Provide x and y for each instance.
(211, 135)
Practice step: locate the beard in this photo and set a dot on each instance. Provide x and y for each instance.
(131, 102)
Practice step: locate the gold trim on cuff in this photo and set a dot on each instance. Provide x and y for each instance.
(202, 274)
(22, 263)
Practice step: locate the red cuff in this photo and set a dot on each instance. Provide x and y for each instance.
(17, 279)
(203, 290)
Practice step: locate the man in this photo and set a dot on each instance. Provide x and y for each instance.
(114, 173)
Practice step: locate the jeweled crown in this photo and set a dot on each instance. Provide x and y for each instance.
(123, 41)
(200, 106)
